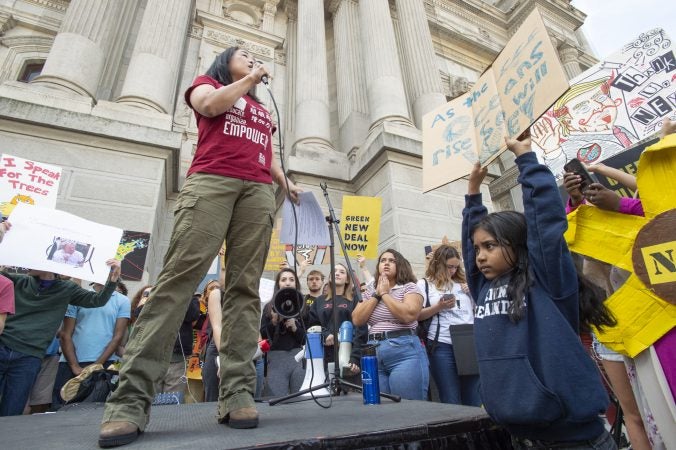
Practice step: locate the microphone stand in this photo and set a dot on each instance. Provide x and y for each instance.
(336, 384)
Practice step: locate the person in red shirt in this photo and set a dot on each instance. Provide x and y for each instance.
(228, 194)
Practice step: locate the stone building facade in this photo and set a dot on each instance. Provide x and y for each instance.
(95, 86)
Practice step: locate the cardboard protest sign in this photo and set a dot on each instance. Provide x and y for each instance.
(55, 241)
(522, 83)
(610, 107)
(27, 181)
(360, 225)
(277, 252)
(132, 251)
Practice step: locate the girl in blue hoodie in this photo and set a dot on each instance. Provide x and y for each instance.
(536, 378)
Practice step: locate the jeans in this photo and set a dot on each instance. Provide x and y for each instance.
(403, 368)
(18, 372)
(602, 442)
(209, 209)
(453, 388)
(209, 377)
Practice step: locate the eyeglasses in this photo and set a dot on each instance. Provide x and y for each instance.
(452, 267)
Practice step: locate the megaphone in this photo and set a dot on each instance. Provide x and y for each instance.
(288, 303)
(314, 372)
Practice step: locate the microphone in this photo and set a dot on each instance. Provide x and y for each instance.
(345, 349)
(264, 78)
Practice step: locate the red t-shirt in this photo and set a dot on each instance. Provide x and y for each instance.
(235, 144)
(6, 295)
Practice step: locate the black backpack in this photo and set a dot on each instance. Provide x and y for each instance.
(96, 387)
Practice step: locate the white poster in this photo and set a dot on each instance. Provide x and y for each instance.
(616, 103)
(27, 181)
(55, 241)
(311, 225)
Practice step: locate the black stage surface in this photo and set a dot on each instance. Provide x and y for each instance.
(348, 424)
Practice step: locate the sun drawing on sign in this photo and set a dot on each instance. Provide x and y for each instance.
(645, 306)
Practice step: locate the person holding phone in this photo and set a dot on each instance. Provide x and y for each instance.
(446, 293)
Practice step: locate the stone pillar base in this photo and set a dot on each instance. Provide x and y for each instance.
(127, 112)
(42, 94)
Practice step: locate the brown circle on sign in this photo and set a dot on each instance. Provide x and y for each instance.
(659, 269)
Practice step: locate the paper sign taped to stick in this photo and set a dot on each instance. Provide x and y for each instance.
(27, 181)
(55, 241)
(612, 106)
(360, 225)
(522, 83)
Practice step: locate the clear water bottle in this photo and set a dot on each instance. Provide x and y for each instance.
(369, 375)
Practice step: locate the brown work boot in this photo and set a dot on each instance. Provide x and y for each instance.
(241, 418)
(114, 434)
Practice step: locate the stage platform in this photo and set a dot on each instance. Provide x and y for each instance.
(347, 424)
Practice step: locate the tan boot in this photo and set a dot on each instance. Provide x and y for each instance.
(241, 418)
(114, 434)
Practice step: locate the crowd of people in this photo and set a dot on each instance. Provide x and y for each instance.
(513, 280)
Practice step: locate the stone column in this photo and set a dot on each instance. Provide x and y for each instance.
(569, 58)
(385, 86)
(76, 60)
(290, 50)
(312, 86)
(153, 70)
(350, 81)
(269, 12)
(419, 58)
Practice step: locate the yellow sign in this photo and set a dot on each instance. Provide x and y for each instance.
(659, 261)
(277, 252)
(360, 225)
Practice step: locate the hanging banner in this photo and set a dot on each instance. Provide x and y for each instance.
(360, 225)
(521, 84)
(27, 181)
(612, 106)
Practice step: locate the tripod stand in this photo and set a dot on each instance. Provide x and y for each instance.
(336, 384)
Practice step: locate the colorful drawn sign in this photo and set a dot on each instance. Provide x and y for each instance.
(277, 252)
(132, 251)
(360, 225)
(522, 83)
(611, 106)
(27, 181)
(313, 254)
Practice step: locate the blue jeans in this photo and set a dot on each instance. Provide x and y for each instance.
(18, 372)
(602, 442)
(403, 368)
(453, 388)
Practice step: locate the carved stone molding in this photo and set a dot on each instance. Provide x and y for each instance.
(195, 32)
(503, 184)
(7, 22)
(280, 58)
(56, 5)
(228, 40)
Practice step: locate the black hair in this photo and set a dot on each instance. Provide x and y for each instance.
(220, 70)
(593, 310)
(509, 230)
(279, 275)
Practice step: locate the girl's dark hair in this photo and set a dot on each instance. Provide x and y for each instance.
(404, 271)
(220, 70)
(437, 272)
(279, 275)
(509, 229)
(593, 310)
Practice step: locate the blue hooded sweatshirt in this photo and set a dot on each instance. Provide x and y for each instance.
(536, 378)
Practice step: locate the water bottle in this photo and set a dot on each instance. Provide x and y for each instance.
(369, 375)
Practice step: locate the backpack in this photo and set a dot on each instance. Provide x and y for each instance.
(96, 387)
(424, 325)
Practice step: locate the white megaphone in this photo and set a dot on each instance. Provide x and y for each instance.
(314, 371)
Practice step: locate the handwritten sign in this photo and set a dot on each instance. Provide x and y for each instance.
(612, 106)
(27, 181)
(360, 225)
(523, 82)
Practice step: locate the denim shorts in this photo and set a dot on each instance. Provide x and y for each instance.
(604, 352)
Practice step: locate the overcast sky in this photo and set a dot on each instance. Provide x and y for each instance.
(613, 23)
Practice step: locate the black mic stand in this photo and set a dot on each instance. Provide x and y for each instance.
(337, 384)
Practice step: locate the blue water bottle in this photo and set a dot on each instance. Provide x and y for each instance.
(369, 375)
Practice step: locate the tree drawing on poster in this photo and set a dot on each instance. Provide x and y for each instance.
(132, 251)
(611, 106)
(522, 83)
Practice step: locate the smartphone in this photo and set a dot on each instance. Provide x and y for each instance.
(576, 167)
(428, 249)
(447, 296)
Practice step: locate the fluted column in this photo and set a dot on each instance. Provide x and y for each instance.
(269, 12)
(385, 88)
(151, 77)
(350, 79)
(312, 92)
(76, 60)
(419, 58)
(290, 50)
(569, 58)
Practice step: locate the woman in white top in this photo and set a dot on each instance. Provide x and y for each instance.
(446, 293)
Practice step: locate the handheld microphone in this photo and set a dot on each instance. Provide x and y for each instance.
(264, 78)
(345, 349)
